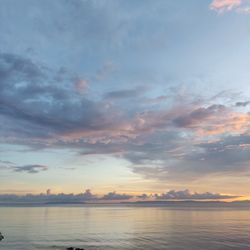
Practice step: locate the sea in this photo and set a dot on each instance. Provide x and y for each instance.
(124, 227)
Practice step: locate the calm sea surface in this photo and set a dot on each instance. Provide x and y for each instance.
(124, 227)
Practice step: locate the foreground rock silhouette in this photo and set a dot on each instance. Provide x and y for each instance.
(1, 236)
(72, 248)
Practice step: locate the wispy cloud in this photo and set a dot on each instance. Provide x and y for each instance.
(126, 93)
(240, 6)
(242, 104)
(225, 5)
(31, 169)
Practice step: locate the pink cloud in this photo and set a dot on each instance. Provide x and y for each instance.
(225, 5)
(212, 120)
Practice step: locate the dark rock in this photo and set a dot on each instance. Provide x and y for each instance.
(1, 236)
(72, 248)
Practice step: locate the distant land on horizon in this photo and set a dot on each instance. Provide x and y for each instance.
(183, 203)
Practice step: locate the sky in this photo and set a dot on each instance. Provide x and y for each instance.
(125, 98)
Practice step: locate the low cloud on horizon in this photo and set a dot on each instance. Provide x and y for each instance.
(88, 196)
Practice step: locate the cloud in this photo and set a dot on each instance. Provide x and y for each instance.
(81, 85)
(44, 102)
(115, 196)
(6, 162)
(242, 104)
(240, 6)
(229, 156)
(49, 197)
(40, 108)
(143, 196)
(224, 5)
(187, 195)
(199, 115)
(215, 119)
(87, 196)
(31, 169)
(126, 93)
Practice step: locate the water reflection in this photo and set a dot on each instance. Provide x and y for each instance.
(121, 227)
